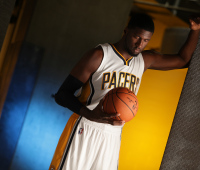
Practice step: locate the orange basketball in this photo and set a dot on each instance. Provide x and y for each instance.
(121, 100)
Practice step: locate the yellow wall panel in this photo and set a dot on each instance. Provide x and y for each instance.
(144, 138)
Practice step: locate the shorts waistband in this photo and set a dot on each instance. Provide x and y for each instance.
(104, 127)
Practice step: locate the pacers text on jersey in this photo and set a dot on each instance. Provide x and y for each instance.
(123, 79)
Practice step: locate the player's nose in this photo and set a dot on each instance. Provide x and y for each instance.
(139, 43)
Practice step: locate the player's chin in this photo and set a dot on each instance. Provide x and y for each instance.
(135, 54)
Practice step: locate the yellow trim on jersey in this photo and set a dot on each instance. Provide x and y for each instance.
(122, 55)
(63, 142)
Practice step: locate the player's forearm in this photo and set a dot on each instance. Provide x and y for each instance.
(190, 45)
(65, 95)
(69, 101)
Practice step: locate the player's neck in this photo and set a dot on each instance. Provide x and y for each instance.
(119, 46)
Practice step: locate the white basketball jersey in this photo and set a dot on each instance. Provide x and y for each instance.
(114, 71)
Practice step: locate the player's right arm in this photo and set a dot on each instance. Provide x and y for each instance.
(79, 75)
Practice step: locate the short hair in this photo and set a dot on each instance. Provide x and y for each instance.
(142, 21)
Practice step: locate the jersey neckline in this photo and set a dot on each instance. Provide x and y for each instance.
(126, 62)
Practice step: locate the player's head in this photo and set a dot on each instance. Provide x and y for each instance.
(138, 33)
(141, 20)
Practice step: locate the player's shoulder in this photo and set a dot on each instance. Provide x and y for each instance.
(150, 54)
(149, 57)
(96, 52)
(93, 57)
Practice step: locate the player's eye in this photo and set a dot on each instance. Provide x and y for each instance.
(136, 36)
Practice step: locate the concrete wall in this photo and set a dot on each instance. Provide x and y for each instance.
(65, 30)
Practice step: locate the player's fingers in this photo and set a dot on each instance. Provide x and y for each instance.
(111, 121)
(191, 22)
(118, 122)
(194, 19)
(114, 122)
(111, 115)
(107, 121)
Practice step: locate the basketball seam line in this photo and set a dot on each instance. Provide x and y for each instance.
(125, 103)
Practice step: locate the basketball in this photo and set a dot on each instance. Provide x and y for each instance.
(121, 100)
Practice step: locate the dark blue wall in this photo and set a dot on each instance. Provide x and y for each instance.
(17, 101)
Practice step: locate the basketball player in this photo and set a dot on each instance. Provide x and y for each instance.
(91, 139)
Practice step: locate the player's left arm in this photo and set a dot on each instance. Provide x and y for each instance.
(154, 60)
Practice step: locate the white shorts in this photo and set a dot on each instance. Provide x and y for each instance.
(93, 146)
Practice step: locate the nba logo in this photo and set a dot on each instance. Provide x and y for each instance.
(80, 131)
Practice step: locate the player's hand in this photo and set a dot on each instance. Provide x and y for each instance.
(98, 115)
(195, 22)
